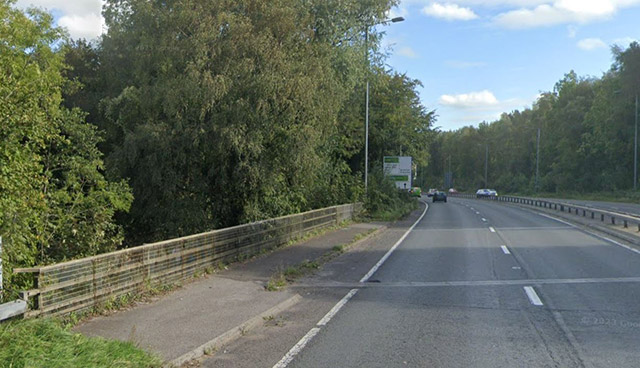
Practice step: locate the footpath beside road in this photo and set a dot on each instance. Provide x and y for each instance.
(209, 312)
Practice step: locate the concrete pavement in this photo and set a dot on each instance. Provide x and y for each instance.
(201, 311)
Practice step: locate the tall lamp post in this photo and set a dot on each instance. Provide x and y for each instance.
(366, 123)
(635, 150)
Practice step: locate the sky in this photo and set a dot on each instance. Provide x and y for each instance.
(475, 58)
(479, 58)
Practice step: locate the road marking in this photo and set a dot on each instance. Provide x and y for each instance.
(336, 308)
(297, 348)
(592, 234)
(477, 213)
(492, 229)
(484, 219)
(473, 209)
(557, 219)
(384, 258)
(533, 297)
(516, 268)
(505, 250)
(481, 283)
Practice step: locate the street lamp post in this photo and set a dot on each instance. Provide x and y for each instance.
(366, 119)
(537, 159)
(486, 166)
(635, 151)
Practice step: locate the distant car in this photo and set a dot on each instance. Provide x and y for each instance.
(453, 191)
(431, 192)
(415, 192)
(440, 196)
(484, 193)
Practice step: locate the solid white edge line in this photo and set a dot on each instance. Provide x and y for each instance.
(492, 229)
(505, 250)
(384, 258)
(533, 296)
(592, 234)
(297, 348)
(336, 308)
(557, 219)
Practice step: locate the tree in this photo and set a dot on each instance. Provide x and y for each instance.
(55, 203)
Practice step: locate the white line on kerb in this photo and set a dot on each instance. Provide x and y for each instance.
(505, 250)
(593, 234)
(336, 308)
(297, 348)
(533, 297)
(484, 219)
(384, 258)
(492, 229)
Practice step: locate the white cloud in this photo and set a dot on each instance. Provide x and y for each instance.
(65, 6)
(449, 12)
(407, 52)
(554, 12)
(82, 18)
(89, 26)
(572, 30)
(470, 100)
(484, 3)
(589, 44)
(624, 41)
(397, 11)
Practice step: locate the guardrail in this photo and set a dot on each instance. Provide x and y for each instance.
(87, 282)
(624, 220)
(12, 309)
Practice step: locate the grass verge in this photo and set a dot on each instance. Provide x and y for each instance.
(281, 278)
(394, 212)
(48, 343)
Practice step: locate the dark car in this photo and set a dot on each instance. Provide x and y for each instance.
(440, 196)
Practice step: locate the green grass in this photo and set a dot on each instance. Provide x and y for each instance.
(395, 212)
(276, 282)
(47, 343)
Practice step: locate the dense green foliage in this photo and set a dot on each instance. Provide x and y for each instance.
(224, 112)
(207, 114)
(587, 134)
(46, 343)
(54, 201)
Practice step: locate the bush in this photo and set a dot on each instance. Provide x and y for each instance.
(386, 202)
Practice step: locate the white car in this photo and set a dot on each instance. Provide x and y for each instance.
(486, 193)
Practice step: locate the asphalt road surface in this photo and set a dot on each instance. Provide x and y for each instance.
(629, 208)
(475, 284)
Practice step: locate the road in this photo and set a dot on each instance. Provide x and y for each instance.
(475, 284)
(629, 208)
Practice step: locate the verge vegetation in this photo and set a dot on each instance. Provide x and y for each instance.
(189, 116)
(48, 343)
(586, 139)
